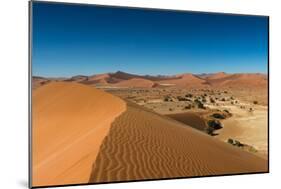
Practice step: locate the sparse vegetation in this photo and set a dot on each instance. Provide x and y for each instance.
(189, 95)
(199, 104)
(230, 141)
(226, 111)
(187, 107)
(218, 116)
(180, 98)
(204, 100)
(212, 100)
(255, 102)
(168, 99)
(242, 145)
(213, 125)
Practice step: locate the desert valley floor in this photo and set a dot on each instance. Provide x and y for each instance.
(121, 127)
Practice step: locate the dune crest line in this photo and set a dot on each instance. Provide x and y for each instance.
(70, 121)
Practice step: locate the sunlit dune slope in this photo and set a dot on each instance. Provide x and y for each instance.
(145, 145)
(244, 81)
(135, 82)
(186, 80)
(69, 122)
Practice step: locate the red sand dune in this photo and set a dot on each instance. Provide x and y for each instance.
(144, 145)
(240, 81)
(136, 82)
(97, 79)
(70, 121)
(186, 80)
(38, 82)
(218, 75)
(123, 79)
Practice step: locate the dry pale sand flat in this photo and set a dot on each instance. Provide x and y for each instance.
(145, 145)
(247, 127)
(70, 120)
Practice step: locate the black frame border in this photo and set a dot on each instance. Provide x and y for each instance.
(30, 17)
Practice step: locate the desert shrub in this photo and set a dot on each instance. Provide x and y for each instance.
(171, 109)
(255, 102)
(232, 102)
(215, 124)
(218, 116)
(166, 99)
(204, 100)
(187, 107)
(212, 100)
(199, 104)
(226, 111)
(210, 131)
(189, 95)
(238, 143)
(212, 125)
(223, 99)
(232, 98)
(252, 149)
(225, 92)
(180, 98)
(230, 141)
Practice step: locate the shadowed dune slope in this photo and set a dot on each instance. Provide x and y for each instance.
(145, 145)
(70, 120)
(191, 119)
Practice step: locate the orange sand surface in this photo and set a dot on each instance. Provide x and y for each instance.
(70, 121)
(136, 82)
(144, 145)
(82, 134)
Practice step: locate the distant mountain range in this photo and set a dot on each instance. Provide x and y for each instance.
(186, 80)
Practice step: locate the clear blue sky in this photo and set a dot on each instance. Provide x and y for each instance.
(77, 39)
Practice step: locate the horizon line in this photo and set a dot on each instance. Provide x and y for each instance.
(141, 74)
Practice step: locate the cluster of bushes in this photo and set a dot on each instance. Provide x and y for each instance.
(212, 100)
(199, 104)
(168, 99)
(218, 116)
(241, 145)
(213, 125)
(180, 98)
(188, 107)
(235, 142)
(189, 95)
(226, 111)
